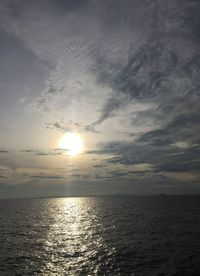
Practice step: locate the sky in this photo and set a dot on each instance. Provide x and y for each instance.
(123, 75)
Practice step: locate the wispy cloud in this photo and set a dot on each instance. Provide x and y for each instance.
(123, 74)
(49, 152)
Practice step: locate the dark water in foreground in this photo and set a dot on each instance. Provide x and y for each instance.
(119, 235)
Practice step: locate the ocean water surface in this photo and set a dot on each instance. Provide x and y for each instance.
(111, 235)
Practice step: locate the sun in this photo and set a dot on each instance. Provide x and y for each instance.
(72, 142)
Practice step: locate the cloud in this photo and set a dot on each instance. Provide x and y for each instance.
(20, 175)
(49, 152)
(126, 74)
(47, 176)
(5, 172)
(135, 60)
(108, 110)
(157, 149)
(72, 51)
(164, 73)
(70, 127)
(163, 70)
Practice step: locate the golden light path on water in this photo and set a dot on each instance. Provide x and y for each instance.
(74, 238)
(100, 236)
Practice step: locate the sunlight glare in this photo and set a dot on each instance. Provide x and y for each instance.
(72, 142)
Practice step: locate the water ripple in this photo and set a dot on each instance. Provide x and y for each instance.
(138, 236)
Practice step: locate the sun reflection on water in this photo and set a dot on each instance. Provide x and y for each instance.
(73, 238)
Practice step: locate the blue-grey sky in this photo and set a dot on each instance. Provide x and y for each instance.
(124, 75)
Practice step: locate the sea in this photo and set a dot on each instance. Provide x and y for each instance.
(105, 235)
